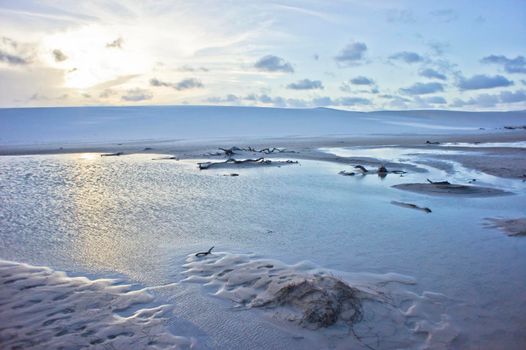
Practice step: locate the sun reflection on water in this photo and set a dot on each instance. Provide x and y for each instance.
(89, 156)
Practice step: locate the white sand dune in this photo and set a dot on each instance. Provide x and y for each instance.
(96, 125)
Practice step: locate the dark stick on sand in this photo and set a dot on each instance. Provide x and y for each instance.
(201, 254)
(411, 206)
(361, 168)
(116, 154)
(438, 182)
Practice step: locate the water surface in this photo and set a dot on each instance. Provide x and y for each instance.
(138, 218)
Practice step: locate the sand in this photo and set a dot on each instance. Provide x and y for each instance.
(46, 309)
(361, 311)
(451, 190)
(511, 227)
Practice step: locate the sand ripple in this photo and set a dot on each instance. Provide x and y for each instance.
(45, 309)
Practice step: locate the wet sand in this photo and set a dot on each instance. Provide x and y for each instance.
(501, 162)
(451, 190)
(511, 227)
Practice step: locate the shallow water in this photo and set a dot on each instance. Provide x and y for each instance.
(138, 219)
(436, 168)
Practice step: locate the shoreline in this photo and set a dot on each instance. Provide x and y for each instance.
(506, 162)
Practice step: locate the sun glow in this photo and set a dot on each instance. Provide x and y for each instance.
(91, 60)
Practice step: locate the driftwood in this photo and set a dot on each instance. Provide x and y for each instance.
(361, 168)
(266, 150)
(232, 151)
(347, 173)
(201, 254)
(411, 206)
(382, 171)
(262, 161)
(112, 154)
(232, 174)
(207, 165)
(166, 158)
(438, 182)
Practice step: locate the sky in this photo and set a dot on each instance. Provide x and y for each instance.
(346, 54)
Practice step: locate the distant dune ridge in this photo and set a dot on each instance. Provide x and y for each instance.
(33, 126)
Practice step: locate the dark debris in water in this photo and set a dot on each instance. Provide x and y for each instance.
(321, 301)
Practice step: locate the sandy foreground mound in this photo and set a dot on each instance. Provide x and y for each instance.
(317, 301)
(363, 310)
(45, 309)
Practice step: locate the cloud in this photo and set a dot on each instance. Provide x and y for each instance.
(491, 100)
(407, 57)
(439, 100)
(272, 63)
(438, 47)
(59, 55)
(480, 19)
(188, 84)
(187, 68)
(513, 97)
(361, 80)
(306, 84)
(117, 43)
(422, 88)
(432, 74)
(38, 97)
(107, 93)
(482, 100)
(121, 79)
(481, 81)
(266, 99)
(444, 15)
(184, 84)
(12, 59)
(12, 53)
(511, 65)
(352, 53)
(279, 101)
(157, 82)
(352, 101)
(429, 102)
(321, 101)
(400, 16)
(230, 98)
(136, 95)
